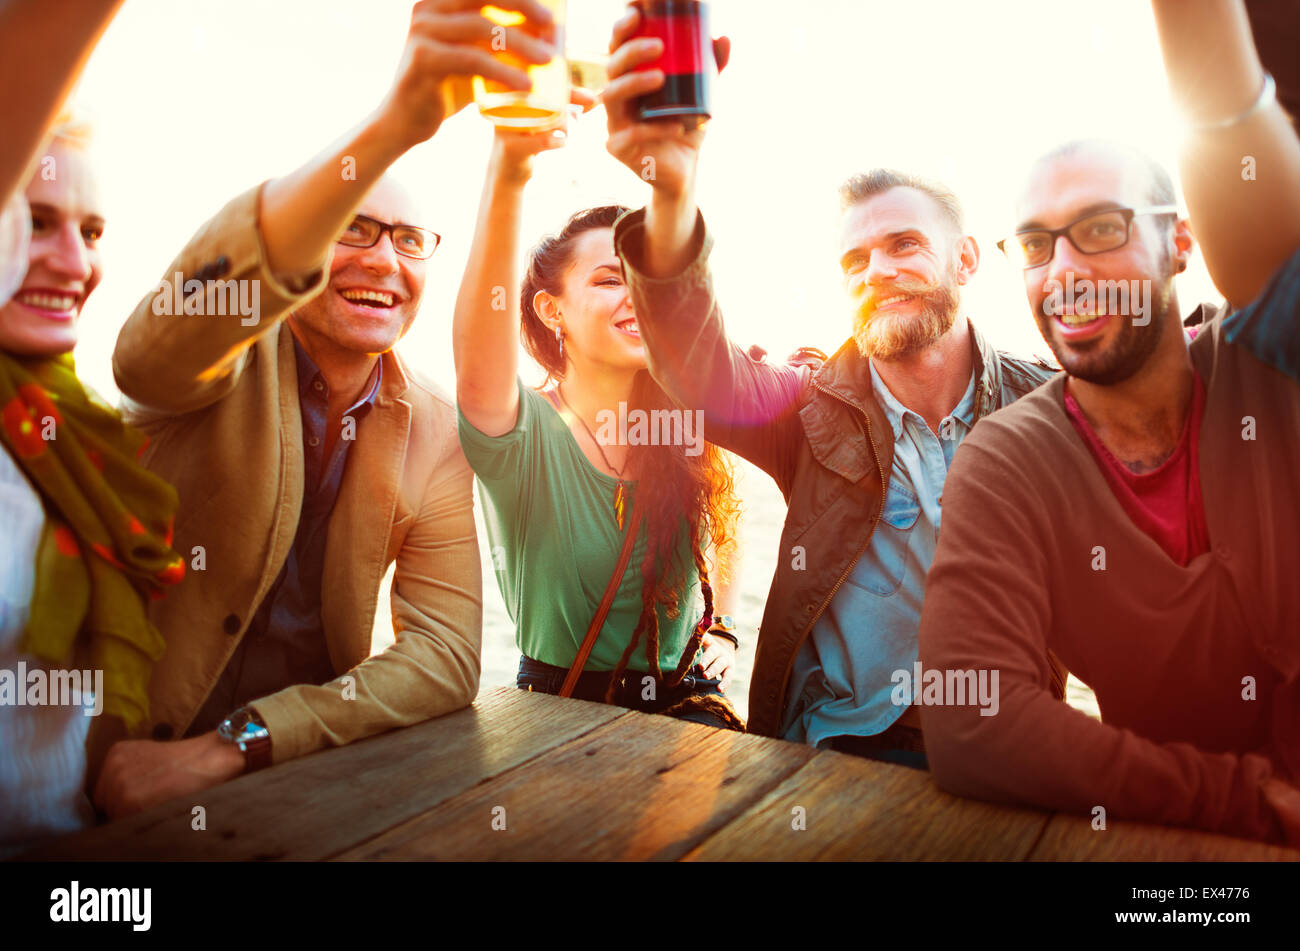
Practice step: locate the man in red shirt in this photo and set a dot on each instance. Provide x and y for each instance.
(1146, 498)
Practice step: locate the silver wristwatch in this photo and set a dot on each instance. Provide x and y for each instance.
(245, 729)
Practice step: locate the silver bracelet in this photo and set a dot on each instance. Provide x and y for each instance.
(1267, 94)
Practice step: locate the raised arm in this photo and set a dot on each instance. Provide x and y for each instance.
(987, 607)
(176, 363)
(750, 408)
(449, 42)
(485, 329)
(1241, 178)
(44, 45)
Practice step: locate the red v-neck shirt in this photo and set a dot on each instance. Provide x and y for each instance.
(1165, 503)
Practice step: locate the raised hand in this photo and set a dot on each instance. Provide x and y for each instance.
(663, 152)
(450, 42)
(513, 151)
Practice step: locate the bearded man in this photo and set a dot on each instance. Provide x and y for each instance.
(860, 446)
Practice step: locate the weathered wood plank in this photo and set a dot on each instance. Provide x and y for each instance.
(859, 809)
(1072, 838)
(324, 803)
(642, 787)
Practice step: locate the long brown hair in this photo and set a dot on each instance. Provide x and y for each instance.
(692, 494)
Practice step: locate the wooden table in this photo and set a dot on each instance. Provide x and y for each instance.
(527, 776)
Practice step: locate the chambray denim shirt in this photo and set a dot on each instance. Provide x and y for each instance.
(840, 683)
(285, 642)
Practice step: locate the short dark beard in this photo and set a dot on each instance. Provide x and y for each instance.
(1127, 355)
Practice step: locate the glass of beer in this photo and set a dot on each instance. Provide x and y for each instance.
(687, 61)
(546, 104)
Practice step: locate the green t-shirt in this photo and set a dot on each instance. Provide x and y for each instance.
(550, 519)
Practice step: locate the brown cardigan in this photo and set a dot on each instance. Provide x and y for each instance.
(1166, 648)
(220, 403)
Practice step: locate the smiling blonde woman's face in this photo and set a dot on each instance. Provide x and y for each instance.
(63, 262)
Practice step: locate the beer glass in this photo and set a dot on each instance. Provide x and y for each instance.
(545, 105)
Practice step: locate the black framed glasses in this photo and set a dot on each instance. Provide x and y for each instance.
(1094, 233)
(408, 240)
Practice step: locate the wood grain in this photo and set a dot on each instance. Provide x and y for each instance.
(576, 780)
(1072, 838)
(319, 805)
(641, 787)
(860, 809)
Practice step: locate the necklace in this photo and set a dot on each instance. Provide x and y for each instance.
(620, 490)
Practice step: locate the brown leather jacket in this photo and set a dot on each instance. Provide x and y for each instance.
(821, 434)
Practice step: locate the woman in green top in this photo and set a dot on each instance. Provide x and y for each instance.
(560, 478)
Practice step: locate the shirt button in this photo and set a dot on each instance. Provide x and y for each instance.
(318, 386)
(313, 441)
(231, 624)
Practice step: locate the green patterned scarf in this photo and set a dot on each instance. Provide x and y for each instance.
(106, 545)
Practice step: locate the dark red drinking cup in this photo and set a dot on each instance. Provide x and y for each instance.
(687, 61)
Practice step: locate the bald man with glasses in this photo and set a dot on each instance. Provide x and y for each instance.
(309, 457)
(1146, 498)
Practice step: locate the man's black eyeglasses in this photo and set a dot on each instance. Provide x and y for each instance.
(1092, 234)
(408, 240)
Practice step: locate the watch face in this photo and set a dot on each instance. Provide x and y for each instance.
(241, 725)
(230, 727)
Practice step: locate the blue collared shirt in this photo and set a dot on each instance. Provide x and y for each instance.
(841, 680)
(285, 643)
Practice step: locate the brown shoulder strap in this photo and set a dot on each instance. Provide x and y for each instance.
(597, 622)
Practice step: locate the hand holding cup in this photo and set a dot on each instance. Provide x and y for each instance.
(662, 151)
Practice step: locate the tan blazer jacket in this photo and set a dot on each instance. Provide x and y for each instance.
(219, 401)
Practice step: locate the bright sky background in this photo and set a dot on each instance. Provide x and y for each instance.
(196, 100)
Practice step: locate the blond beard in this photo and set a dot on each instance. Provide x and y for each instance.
(892, 336)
